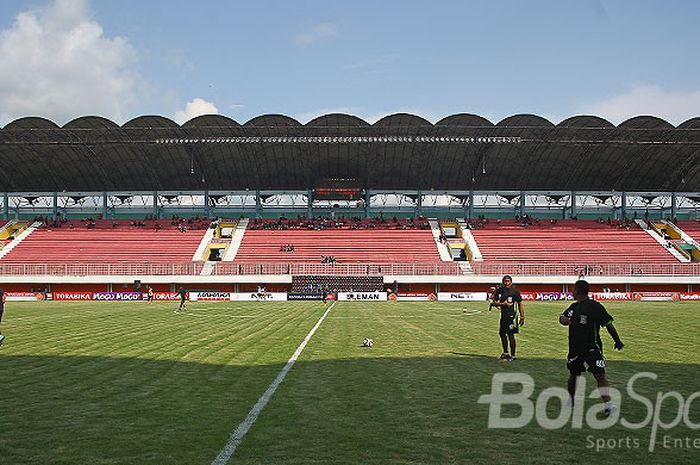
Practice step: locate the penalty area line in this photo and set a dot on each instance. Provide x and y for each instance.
(237, 436)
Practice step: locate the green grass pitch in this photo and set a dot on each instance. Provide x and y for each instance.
(129, 383)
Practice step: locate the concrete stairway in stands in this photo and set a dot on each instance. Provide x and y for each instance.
(207, 268)
(203, 244)
(684, 235)
(466, 268)
(470, 241)
(444, 251)
(662, 242)
(236, 239)
(8, 248)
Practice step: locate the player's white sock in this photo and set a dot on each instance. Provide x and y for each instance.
(609, 408)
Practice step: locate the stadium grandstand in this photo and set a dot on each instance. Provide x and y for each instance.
(451, 206)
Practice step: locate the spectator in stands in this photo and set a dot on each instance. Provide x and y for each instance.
(505, 297)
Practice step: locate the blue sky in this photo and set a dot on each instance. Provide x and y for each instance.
(120, 59)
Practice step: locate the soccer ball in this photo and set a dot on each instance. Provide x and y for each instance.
(367, 342)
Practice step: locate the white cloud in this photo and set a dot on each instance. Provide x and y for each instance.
(647, 99)
(316, 33)
(56, 63)
(196, 107)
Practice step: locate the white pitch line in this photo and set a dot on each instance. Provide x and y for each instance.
(219, 315)
(237, 436)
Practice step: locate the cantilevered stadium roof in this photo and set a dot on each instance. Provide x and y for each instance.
(400, 151)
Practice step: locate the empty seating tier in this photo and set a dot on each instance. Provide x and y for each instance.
(691, 228)
(346, 245)
(106, 245)
(568, 242)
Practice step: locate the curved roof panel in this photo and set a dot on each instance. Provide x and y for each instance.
(272, 121)
(645, 122)
(402, 120)
(400, 151)
(525, 120)
(585, 121)
(337, 120)
(215, 121)
(30, 122)
(91, 122)
(464, 120)
(151, 121)
(693, 123)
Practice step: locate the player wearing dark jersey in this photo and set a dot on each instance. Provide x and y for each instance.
(584, 319)
(183, 300)
(505, 298)
(490, 294)
(2, 304)
(2, 310)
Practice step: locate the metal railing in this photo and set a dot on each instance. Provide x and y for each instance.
(557, 269)
(100, 269)
(354, 269)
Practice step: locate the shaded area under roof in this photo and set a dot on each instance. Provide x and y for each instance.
(400, 151)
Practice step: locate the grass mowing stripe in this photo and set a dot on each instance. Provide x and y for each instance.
(131, 399)
(151, 408)
(237, 436)
(412, 399)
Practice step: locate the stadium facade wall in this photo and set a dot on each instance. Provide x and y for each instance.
(406, 285)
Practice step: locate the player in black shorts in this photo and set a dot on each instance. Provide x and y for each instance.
(2, 310)
(490, 295)
(183, 300)
(505, 298)
(149, 295)
(2, 304)
(584, 319)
